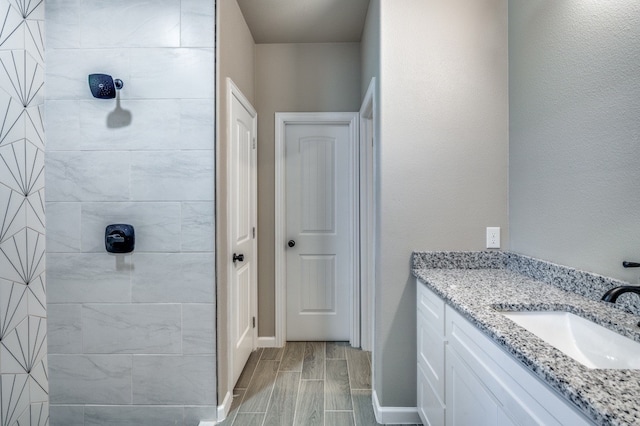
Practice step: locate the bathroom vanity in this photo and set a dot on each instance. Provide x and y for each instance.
(476, 366)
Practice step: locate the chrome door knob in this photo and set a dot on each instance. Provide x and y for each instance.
(291, 243)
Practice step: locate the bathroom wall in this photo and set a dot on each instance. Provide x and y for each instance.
(442, 157)
(236, 61)
(574, 133)
(131, 338)
(24, 389)
(303, 77)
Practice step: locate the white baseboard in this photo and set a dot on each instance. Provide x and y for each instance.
(394, 415)
(223, 410)
(267, 342)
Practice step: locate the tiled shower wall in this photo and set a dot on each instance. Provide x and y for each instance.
(23, 324)
(131, 338)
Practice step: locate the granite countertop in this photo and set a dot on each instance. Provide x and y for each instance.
(479, 284)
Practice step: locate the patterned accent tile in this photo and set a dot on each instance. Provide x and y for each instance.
(14, 397)
(11, 34)
(22, 167)
(34, 39)
(33, 9)
(34, 125)
(24, 253)
(21, 72)
(26, 344)
(11, 112)
(12, 217)
(13, 306)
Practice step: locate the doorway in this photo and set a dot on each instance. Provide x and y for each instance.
(317, 203)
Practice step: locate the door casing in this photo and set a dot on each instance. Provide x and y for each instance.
(281, 121)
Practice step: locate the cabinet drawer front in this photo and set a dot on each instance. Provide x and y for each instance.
(430, 407)
(432, 306)
(431, 354)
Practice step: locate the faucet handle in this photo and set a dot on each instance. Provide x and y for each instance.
(628, 264)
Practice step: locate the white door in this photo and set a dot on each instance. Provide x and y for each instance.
(241, 228)
(320, 240)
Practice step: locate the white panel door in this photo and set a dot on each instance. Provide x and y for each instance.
(241, 222)
(320, 194)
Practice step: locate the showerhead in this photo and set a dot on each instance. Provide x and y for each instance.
(103, 86)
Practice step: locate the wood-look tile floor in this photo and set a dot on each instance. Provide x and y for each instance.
(304, 384)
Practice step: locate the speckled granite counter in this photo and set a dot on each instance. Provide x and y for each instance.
(478, 284)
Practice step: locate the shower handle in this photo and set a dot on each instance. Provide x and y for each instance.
(238, 257)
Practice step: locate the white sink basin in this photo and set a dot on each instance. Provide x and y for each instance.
(587, 342)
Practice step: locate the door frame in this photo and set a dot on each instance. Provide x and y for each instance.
(234, 92)
(282, 119)
(368, 241)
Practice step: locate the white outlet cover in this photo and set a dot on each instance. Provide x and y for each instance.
(493, 237)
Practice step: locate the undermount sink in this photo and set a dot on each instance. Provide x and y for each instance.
(585, 341)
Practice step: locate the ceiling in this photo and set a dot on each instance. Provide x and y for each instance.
(305, 21)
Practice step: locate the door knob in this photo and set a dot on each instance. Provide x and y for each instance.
(291, 243)
(237, 257)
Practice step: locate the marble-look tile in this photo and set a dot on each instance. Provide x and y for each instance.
(66, 415)
(197, 127)
(64, 328)
(337, 393)
(62, 121)
(293, 356)
(143, 23)
(90, 379)
(310, 404)
(172, 176)
(63, 227)
(282, 405)
(63, 23)
(183, 379)
(173, 278)
(157, 225)
(87, 278)
(256, 397)
(198, 23)
(119, 415)
(172, 74)
(198, 227)
(136, 125)
(67, 70)
(198, 329)
(87, 176)
(132, 328)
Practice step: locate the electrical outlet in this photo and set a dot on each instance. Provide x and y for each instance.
(493, 237)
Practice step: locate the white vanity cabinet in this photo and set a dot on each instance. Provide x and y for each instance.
(464, 378)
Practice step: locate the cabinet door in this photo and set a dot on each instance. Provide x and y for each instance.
(430, 407)
(468, 402)
(431, 353)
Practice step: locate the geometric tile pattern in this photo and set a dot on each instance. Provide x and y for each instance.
(24, 382)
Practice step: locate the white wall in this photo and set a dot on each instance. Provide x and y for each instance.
(442, 156)
(131, 339)
(574, 141)
(314, 77)
(23, 315)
